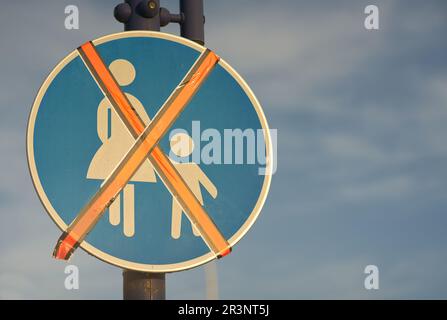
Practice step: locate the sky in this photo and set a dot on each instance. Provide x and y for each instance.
(361, 174)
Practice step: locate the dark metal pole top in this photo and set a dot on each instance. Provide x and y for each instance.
(148, 15)
(139, 14)
(192, 26)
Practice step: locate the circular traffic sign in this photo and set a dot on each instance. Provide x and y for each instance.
(219, 144)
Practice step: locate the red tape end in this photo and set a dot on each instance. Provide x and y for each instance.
(65, 247)
(225, 253)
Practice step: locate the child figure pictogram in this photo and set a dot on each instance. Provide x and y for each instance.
(182, 145)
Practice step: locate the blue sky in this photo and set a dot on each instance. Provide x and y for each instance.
(361, 173)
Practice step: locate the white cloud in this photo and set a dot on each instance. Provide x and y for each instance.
(377, 190)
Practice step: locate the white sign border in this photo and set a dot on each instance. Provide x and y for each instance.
(163, 268)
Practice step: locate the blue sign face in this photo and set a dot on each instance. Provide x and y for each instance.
(220, 144)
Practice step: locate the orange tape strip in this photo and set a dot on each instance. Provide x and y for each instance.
(145, 144)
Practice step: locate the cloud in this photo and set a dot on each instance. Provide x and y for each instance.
(389, 187)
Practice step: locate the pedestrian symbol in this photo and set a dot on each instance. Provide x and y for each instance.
(116, 140)
(182, 145)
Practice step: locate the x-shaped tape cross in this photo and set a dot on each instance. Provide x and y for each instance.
(145, 146)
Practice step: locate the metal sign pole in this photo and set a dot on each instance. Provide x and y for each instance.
(192, 27)
(143, 285)
(147, 15)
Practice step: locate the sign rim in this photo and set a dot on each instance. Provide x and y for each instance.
(108, 258)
